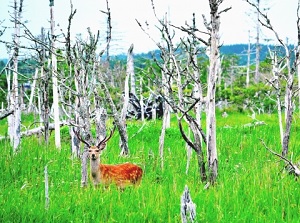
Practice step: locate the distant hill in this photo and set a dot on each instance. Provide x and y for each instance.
(4, 60)
(239, 50)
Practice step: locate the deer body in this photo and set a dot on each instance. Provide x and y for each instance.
(121, 174)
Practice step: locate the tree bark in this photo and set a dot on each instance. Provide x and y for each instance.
(54, 79)
(211, 90)
(130, 69)
(15, 118)
(188, 208)
(248, 61)
(257, 47)
(45, 108)
(30, 105)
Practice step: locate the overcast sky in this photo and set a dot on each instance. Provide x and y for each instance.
(235, 23)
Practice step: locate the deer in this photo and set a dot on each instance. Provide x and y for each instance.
(122, 175)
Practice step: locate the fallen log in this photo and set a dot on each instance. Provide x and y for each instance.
(37, 130)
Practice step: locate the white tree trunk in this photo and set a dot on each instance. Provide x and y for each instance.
(47, 199)
(162, 135)
(166, 106)
(10, 118)
(248, 61)
(257, 58)
(15, 119)
(211, 91)
(30, 105)
(276, 71)
(298, 73)
(129, 72)
(188, 154)
(54, 80)
(142, 100)
(130, 69)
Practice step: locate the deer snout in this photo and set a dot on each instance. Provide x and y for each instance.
(93, 156)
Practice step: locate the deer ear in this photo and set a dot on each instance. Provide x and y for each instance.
(101, 146)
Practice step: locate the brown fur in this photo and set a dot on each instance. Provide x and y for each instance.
(121, 174)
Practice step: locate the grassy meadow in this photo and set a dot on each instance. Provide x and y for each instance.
(251, 186)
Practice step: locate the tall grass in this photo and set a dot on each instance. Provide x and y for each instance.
(250, 186)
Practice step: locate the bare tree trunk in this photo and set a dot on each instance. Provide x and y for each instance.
(45, 111)
(248, 61)
(84, 164)
(257, 57)
(211, 91)
(162, 136)
(83, 108)
(54, 78)
(298, 74)
(47, 199)
(122, 123)
(277, 86)
(197, 90)
(130, 69)
(188, 154)
(100, 121)
(14, 99)
(75, 142)
(10, 118)
(142, 99)
(289, 77)
(30, 105)
(129, 72)
(288, 107)
(44, 106)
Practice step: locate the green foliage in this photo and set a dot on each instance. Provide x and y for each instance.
(250, 186)
(242, 97)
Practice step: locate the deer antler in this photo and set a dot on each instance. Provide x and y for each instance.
(80, 138)
(107, 138)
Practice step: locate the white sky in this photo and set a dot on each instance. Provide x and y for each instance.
(234, 23)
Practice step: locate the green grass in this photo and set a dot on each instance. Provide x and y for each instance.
(250, 185)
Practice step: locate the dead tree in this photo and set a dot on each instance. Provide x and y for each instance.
(257, 44)
(40, 47)
(54, 77)
(14, 120)
(85, 76)
(288, 78)
(130, 69)
(117, 116)
(214, 68)
(277, 69)
(173, 68)
(185, 73)
(188, 207)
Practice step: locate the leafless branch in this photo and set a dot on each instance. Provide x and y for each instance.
(295, 169)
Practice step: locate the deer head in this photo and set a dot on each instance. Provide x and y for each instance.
(94, 150)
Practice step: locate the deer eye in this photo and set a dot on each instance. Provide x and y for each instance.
(90, 150)
(97, 150)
